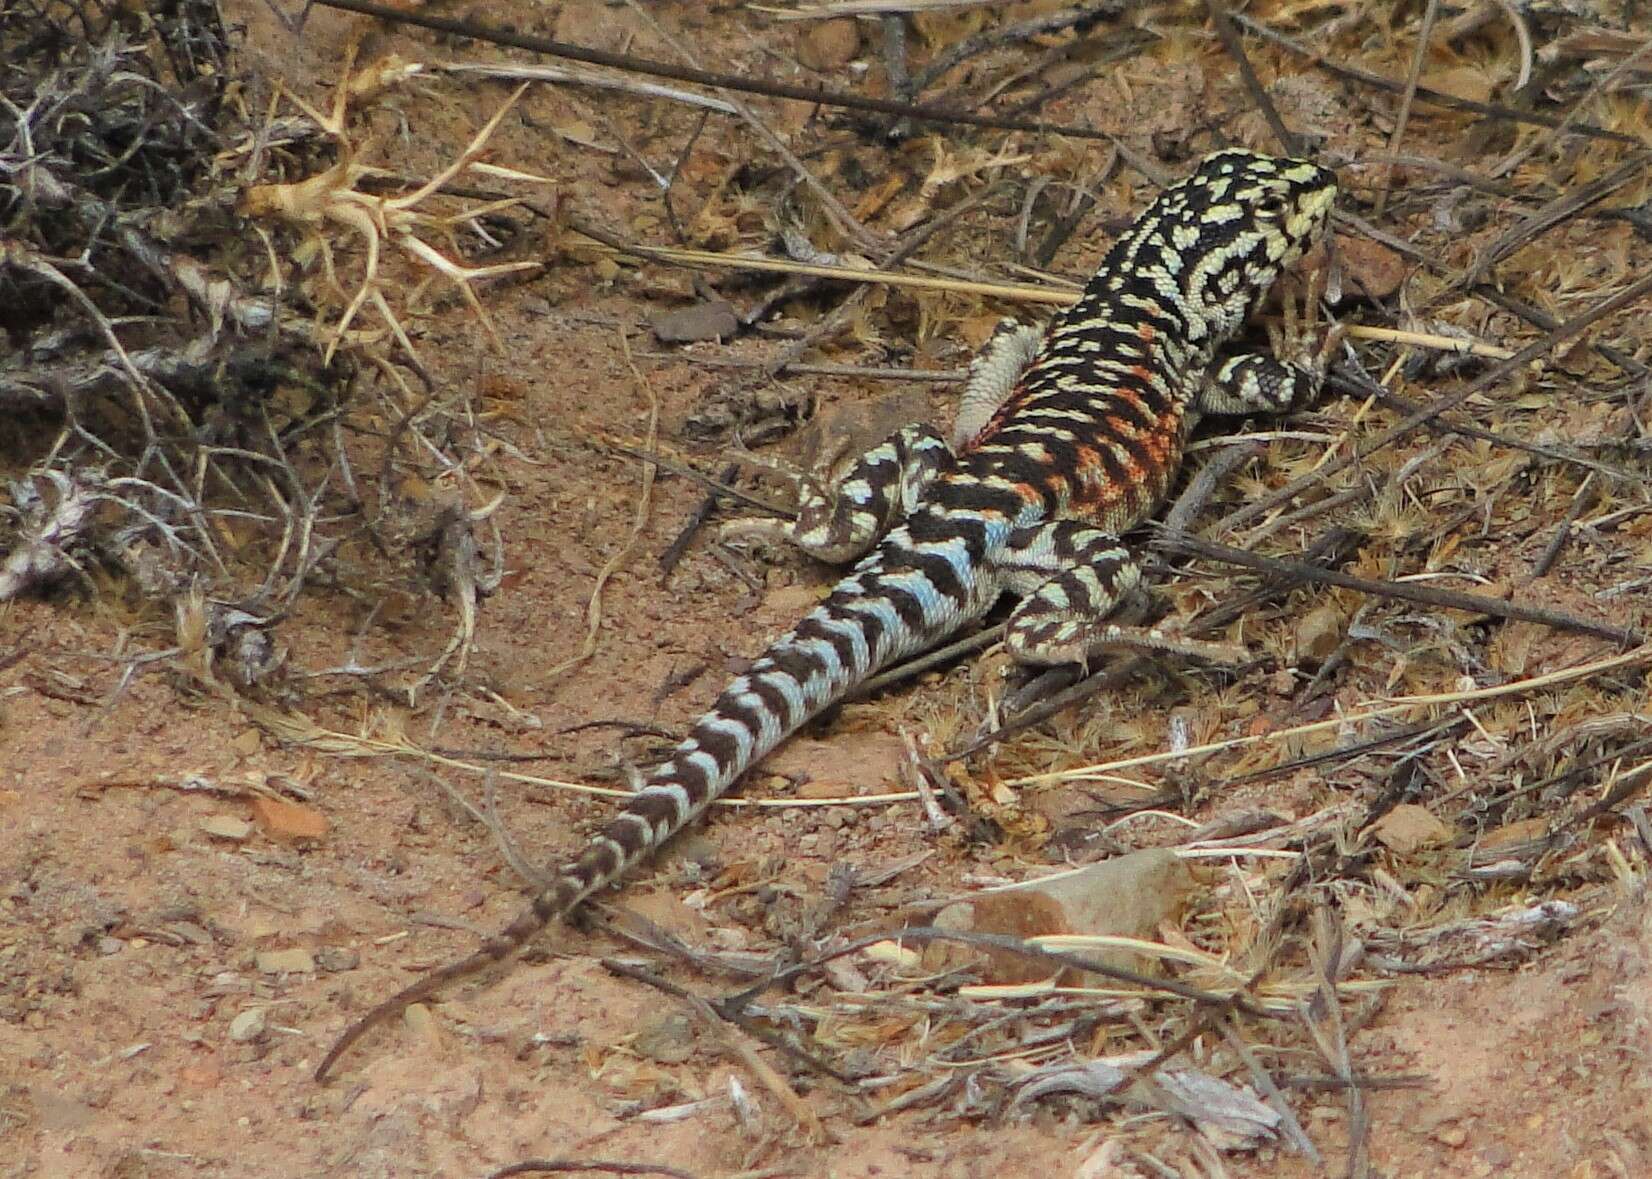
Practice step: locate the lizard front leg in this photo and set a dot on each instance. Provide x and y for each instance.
(1291, 378)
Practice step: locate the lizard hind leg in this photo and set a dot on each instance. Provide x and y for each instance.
(1070, 578)
(843, 522)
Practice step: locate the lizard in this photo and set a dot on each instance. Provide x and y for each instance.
(1065, 439)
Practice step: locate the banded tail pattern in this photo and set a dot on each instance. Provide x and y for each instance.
(889, 607)
(1062, 443)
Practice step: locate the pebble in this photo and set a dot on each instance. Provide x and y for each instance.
(336, 959)
(250, 1025)
(1318, 633)
(667, 1041)
(1451, 1135)
(227, 827)
(829, 44)
(1408, 828)
(289, 820)
(422, 1024)
(1369, 269)
(297, 960)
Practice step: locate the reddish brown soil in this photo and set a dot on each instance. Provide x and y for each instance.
(130, 938)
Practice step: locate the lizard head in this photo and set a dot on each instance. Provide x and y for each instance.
(1232, 227)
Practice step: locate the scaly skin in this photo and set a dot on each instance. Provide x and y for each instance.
(1061, 456)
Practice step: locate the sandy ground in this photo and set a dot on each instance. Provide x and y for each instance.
(133, 939)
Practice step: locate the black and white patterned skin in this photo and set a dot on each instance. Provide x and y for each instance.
(1060, 456)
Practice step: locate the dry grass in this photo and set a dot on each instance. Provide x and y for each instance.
(190, 434)
(1510, 225)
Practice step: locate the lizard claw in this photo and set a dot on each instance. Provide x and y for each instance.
(1296, 340)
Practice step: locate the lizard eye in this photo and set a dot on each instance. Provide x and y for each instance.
(1272, 204)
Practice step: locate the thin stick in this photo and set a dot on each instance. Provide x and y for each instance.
(853, 371)
(1194, 546)
(722, 1023)
(609, 1166)
(1020, 292)
(696, 521)
(1229, 37)
(922, 663)
(1399, 704)
(645, 499)
(301, 731)
(1079, 17)
(1423, 93)
(1016, 292)
(1580, 503)
(1406, 98)
(818, 96)
(555, 75)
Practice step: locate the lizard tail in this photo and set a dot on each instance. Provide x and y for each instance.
(898, 600)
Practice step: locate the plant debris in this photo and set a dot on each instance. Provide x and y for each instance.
(1425, 768)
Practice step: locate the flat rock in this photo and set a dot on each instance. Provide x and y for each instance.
(227, 827)
(297, 960)
(1408, 828)
(288, 820)
(1127, 896)
(829, 44)
(667, 1040)
(698, 321)
(1370, 268)
(249, 1026)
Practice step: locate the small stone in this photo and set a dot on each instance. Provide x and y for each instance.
(667, 1041)
(1369, 268)
(422, 1024)
(250, 1025)
(201, 1075)
(297, 960)
(825, 788)
(1452, 1136)
(790, 600)
(829, 44)
(1524, 831)
(664, 910)
(941, 955)
(1408, 828)
(891, 953)
(288, 820)
(1127, 896)
(335, 959)
(712, 320)
(1465, 82)
(110, 945)
(192, 933)
(227, 827)
(1318, 632)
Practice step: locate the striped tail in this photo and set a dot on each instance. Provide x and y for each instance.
(900, 599)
